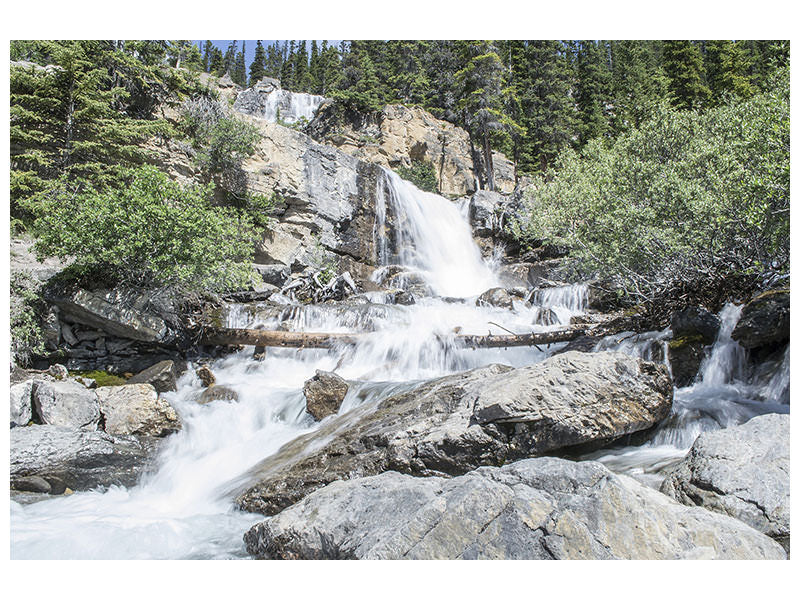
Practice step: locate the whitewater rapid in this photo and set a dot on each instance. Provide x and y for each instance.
(184, 507)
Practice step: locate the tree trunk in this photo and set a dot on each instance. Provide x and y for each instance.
(293, 339)
(487, 154)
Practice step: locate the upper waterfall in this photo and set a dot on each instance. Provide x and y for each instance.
(268, 101)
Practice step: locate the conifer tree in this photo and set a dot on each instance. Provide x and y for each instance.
(207, 55)
(407, 77)
(287, 68)
(302, 80)
(314, 65)
(358, 86)
(229, 60)
(258, 68)
(216, 64)
(636, 79)
(683, 65)
(330, 68)
(239, 74)
(593, 89)
(726, 68)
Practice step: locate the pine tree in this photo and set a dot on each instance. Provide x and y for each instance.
(637, 80)
(239, 74)
(207, 55)
(407, 79)
(216, 63)
(358, 86)
(258, 68)
(274, 61)
(483, 100)
(593, 81)
(302, 79)
(229, 60)
(726, 68)
(330, 68)
(683, 65)
(287, 68)
(314, 66)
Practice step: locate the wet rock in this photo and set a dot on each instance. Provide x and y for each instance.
(32, 484)
(80, 460)
(21, 403)
(65, 403)
(498, 297)
(764, 321)
(686, 354)
(216, 393)
(740, 471)
(481, 213)
(695, 321)
(206, 376)
(486, 416)
(136, 409)
(163, 376)
(542, 508)
(324, 394)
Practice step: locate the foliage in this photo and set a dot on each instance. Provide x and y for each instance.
(151, 232)
(687, 196)
(27, 339)
(101, 378)
(421, 174)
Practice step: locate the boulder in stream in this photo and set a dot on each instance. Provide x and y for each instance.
(740, 471)
(764, 321)
(65, 403)
(163, 376)
(541, 508)
(136, 409)
(324, 394)
(486, 416)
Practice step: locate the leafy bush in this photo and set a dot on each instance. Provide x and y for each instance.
(27, 338)
(154, 231)
(686, 197)
(421, 174)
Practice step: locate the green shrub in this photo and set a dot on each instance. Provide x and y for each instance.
(27, 339)
(686, 197)
(152, 232)
(421, 174)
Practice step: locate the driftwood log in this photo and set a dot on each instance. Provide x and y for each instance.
(293, 339)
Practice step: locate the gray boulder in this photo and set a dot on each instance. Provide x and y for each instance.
(80, 460)
(740, 471)
(498, 297)
(324, 394)
(764, 321)
(215, 393)
(481, 213)
(136, 409)
(66, 403)
(695, 322)
(451, 425)
(542, 508)
(21, 403)
(163, 376)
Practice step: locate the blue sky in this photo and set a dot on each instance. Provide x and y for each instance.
(250, 46)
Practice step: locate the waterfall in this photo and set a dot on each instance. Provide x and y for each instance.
(291, 106)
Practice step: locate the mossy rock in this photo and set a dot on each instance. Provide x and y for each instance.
(682, 342)
(101, 378)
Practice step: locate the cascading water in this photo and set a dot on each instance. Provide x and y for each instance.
(184, 507)
(291, 106)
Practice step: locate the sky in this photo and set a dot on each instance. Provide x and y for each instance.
(250, 46)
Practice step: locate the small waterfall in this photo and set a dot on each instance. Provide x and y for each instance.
(432, 237)
(291, 106)
(727, 361)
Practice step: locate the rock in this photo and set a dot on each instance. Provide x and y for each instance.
(69, 337)
(764, 321)
(604, 296)
(541, 508)
(740, 471)
(273, 274)
(81, 460)
(695, 321)
(58, 372)
(51, 329)
(216, 393)
(206, 376)
(485, 416)
(136, 409)
(516, 274)
(21, 403)
(481, 213)
(400, 135)
(498, 297)
(65, 403)
(32, 484)
(268, 101)
(163, 376)
(686, 354)
(324, 394)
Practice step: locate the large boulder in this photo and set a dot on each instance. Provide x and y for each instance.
(80, 460)
(542, 508)
(498, 297)
(740, 471)
(163, 376)
(695, 322)
(65, 403)
(136, 409)
(486, 416)
(324, 394)
(764, 321)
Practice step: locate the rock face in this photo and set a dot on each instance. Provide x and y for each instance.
(398, 135)
(486, 416)
(66, 404)
(543, 508)
(80, 460)
(764, 321)
(136, 409)
(163, 376)
(693, 329)
(740, 471)
(324, 394)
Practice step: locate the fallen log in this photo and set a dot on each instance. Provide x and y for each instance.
(294, 339)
